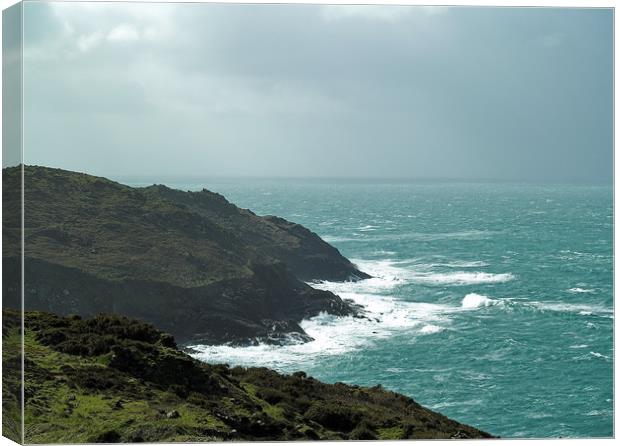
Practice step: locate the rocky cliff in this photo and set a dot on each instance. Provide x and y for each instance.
(190, 262)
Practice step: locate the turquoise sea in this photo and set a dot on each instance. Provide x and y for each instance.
(490, 303)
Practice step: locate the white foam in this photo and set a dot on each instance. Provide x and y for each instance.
(580, 290)
(473, 234)
(367, 228)
(462, 278)
(390, 273)
(581, 309)
(461, 264)
(419, 236)
(599, 355)
(430, 329)
(336, 239)
(598, 413)
(384, 317)
(382, 252)
(473, 300)
(386, 275)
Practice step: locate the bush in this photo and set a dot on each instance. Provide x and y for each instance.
(334, 416)
(94, 336)
(96, 378)
(272, 396)
(110, 436)
(363, 432)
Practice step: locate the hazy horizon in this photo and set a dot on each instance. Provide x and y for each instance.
(174, 178)
(161, 177)
(307, 91)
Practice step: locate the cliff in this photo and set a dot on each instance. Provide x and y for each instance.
(112, 379)
(191, 263)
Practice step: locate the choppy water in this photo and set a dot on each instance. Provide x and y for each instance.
(491, 303)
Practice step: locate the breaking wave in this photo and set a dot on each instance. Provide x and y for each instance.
(473, 300)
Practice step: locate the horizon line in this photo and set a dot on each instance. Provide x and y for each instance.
(148, 177)
(206, 177)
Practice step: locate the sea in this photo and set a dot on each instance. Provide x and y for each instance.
(491, 303)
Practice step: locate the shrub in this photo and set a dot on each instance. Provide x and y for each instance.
(334, 416)
(110, 436)
(363, 432)
(96, 378)
(272, 396)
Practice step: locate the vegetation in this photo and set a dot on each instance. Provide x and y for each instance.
(113, 379)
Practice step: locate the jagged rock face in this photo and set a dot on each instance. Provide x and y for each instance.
(191, 263)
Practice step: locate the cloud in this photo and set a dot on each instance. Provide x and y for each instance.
(369, 12)
(87, 42)
(123, 33)
(434, 10)
(313, 89)
(381, 13)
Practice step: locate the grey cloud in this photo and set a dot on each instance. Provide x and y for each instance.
(304, 90)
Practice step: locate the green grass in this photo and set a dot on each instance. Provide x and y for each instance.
(391, 433)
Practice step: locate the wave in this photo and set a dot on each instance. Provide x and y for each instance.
(390, 273)
(367, 228)
(581, 309)
(386, 275)
(337, 239)
(462, 278)
(363, 235)
(599, 355)
(430, 329)
(473, 234)
(382, 252)
(473, 300)
(461, 264)
(580, 290)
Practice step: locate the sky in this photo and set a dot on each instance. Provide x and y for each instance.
(519, 94)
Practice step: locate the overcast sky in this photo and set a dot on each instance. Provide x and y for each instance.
(310, 90)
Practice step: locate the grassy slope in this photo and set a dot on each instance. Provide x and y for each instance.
(112, 379)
